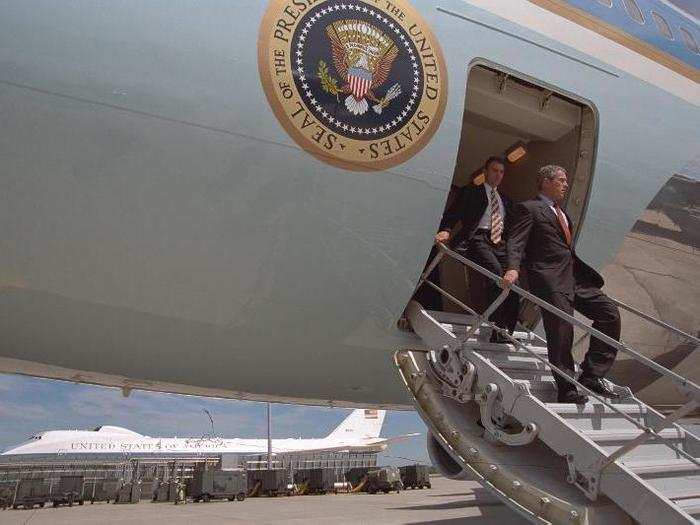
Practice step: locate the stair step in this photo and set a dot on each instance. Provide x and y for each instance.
(597, 417)
(459, 330)
(530, 375)
(626, 435)
(661, 466)
(684, 493)
(452, 318)
(687, 498)
(545, 391)
(597, 409)
(683, 488)
(515, 361)
(459, 323)
(691, 506)
(500, 348)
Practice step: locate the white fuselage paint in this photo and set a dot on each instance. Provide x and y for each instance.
(61, 442)
(571, 34)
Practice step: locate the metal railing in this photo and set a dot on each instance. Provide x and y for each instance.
(658, 322)
(648, 432)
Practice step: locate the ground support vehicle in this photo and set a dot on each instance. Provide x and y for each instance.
(212, 483)
(101, 490)
(31, 492)
(383, 479)
(415, 476)
(68, 491)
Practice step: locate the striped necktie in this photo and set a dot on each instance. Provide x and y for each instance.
(496, 218)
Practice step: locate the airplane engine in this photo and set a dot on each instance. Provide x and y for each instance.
(442, 459)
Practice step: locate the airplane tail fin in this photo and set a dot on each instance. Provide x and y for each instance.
(362, 423)
(403, 437)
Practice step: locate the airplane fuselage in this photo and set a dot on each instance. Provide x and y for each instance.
(164, 230)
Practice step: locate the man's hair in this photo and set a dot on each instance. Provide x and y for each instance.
(547, 172)
(493, 159)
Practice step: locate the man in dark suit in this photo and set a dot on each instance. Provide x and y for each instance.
(541, 241)
(484, 214)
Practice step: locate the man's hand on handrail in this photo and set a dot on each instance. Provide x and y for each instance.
(442, 236)
(509, 278)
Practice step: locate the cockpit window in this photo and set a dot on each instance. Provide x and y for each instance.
(606, 3)
(663, 26)
(689, 40)
(633, 10)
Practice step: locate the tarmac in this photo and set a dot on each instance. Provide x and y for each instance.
(447, 503)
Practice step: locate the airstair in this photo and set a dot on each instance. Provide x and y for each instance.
(492, 409)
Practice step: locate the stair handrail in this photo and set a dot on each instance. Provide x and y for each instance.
(647, 431)
(685, 384)
(656, 321)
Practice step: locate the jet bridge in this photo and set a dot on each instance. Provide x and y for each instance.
(604, 462)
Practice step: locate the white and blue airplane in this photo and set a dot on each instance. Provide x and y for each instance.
(237, 198)
(358, 432)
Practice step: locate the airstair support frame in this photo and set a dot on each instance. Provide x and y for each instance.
(454, 426)
(633, 463)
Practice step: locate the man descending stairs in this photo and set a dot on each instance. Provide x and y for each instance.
(605, 461)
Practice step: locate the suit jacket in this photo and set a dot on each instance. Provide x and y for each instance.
(468, 209)
(538, 243)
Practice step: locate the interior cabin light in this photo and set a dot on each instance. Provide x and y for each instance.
(516, 153)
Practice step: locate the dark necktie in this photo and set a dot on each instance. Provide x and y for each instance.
(562, 223)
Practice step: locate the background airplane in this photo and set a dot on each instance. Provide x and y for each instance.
(358, 432)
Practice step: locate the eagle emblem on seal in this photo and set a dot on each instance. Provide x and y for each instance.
(362, 55)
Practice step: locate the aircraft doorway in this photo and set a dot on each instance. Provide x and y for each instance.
(529, 125)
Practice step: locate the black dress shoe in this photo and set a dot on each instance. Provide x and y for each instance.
(572, 396)
(598, 386)
(498, 338)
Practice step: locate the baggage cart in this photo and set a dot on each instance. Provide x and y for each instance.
(129, 493)
(315, 480)
(271, 482)
(68, 491)
(415, 476)
(172, 490)
(356, 476)
(31, 492)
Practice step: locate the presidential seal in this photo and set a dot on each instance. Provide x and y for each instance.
(358, 84)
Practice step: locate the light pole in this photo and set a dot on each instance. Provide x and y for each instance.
(211, 420)
(269, 436)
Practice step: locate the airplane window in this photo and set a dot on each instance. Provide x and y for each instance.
(663, 26)
(690, 42)
(606, 3)
(633, 10)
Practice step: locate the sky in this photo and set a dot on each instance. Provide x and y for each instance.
(30, 405)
